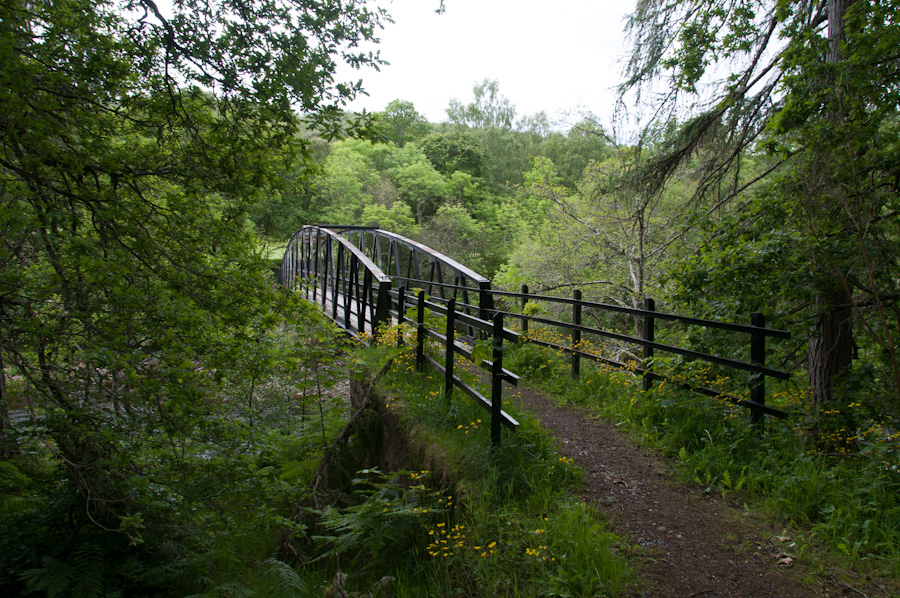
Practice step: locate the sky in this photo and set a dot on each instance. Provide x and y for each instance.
(561, 57)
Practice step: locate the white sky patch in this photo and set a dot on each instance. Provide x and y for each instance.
(552, 56)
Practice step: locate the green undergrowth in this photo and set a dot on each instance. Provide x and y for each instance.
(843, 506)
(465, 519)
(209, 512)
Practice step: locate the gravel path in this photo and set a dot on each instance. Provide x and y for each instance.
(693, 545)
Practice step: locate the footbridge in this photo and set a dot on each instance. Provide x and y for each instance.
(356, 274)
(365, 278)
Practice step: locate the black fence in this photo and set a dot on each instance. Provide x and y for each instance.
(755, 334)
(342, 270)
(492, 330)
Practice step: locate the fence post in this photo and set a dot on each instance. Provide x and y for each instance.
(649, 335)
(420, 334)
(576, 334)
(758, 379)
(448, 348)
(401, 306)
(497, 379)
(524, 302)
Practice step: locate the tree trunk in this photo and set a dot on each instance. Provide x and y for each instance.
(7, 443)
(836, 9)
(831, 345)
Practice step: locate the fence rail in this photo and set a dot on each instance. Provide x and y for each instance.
(343, 268)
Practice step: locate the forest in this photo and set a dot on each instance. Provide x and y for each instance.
(167, 411)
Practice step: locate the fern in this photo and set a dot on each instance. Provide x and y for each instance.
(88, 566)
(53, 578)
(389, 516)
(280, 580)
(82, 578)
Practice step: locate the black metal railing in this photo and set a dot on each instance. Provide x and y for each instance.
(413, 265)
(329, 270)
(344, 268)
(756, 333)
(449, 347)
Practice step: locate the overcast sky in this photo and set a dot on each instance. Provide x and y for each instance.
(553, 56)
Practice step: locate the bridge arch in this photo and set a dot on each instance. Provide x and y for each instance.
(351, 271)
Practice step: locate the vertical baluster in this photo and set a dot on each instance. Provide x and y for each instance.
(401, 307)
(497, 379)
(363, 303)
(420, 334)
(336, 283)
(524, 303)
(382, 319)
(315, 267)
(326, 270)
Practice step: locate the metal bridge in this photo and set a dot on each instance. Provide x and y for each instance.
(353, 271)
(364, 276)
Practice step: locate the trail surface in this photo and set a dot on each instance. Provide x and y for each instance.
(693, 545)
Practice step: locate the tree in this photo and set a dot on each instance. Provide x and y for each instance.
(815, 85)
(460, 237)
(400, 122)
(490, 109)
(585, 141)
(454, 151)
(396, 219)
(132, 146)
(420, 186)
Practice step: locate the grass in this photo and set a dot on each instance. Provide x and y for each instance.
(844, 504)
(468, 519)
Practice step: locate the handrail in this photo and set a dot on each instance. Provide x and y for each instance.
(329, 265)
(407, 268)
(350, 262)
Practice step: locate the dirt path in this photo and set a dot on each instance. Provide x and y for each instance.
(693, 545)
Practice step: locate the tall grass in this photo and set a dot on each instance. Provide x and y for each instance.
(845, 501)
(475, 520)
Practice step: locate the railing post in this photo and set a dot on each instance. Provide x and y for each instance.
(485, 300)
(758, 379)
(448, 348)
(401, 307)
(307, 262)
(382, 308)
(316, 260)
(304, 276)
(336, 289)
(576, 334)
(649, 335)
(328, 262)
(420, 334)
(497, 379)
(348, 291)
(364, 296)
(524, 302)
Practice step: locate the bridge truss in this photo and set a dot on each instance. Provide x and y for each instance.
(352, 270)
